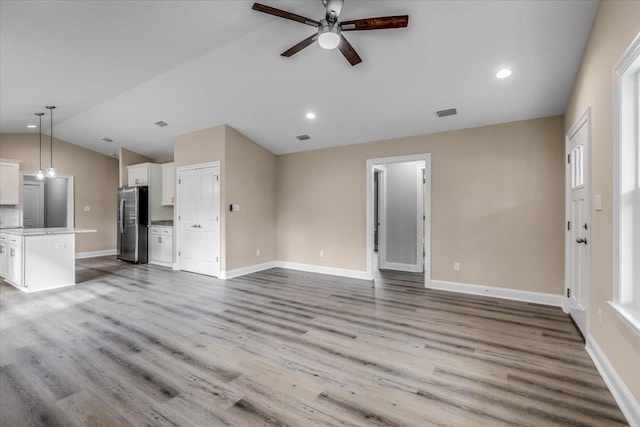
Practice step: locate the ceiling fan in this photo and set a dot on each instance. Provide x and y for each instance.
(329, 30)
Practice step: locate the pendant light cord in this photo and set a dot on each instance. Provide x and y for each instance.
(51, 141)
(50, 108)
(40, 128)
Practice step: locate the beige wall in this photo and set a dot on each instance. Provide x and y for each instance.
(497, 204)
(202, 146)
(127, 158)
(96, 181)
(615, 27)
(248, 178)
(251, 183)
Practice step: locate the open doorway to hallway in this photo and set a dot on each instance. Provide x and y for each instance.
(398, 215)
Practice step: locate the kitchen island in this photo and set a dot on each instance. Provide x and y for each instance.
(37, 259)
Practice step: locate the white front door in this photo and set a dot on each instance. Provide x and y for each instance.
(199, 220)
(579, 228)
(33, 204)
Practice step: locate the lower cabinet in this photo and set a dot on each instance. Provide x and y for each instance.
(161, 246)
(11, 260)
(38, 262)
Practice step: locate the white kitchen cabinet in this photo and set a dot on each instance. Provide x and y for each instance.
(9, 182)
(150, 174)
(168, 183)
(139, 174)
(4, 251)
(14, 263)
(36, 259)
(11, 259)
(161, 246)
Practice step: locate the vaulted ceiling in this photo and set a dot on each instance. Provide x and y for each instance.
(114, 68)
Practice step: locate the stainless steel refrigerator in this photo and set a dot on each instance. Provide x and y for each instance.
(133, 222)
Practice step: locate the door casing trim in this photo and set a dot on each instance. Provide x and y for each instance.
(584, 119)
(370, 163)
(177, 230)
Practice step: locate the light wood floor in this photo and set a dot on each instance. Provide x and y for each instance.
(142, 345)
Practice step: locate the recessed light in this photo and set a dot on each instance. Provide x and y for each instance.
(311, 115)
(161, 124)
(32, 126)
(106, 139)
(303, 137)
(504, 73)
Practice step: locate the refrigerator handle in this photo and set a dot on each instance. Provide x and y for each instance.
(121, 215)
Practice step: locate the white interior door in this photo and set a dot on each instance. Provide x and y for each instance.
(199, 220)
(33, 204)
(579, 237)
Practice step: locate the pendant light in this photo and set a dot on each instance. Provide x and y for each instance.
(40, 173)
(51, 172)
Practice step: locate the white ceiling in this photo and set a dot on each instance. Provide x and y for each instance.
(114, 68)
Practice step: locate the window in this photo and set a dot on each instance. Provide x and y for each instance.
(626, 253)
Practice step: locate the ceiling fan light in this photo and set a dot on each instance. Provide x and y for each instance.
(329, 35)
(329, 40)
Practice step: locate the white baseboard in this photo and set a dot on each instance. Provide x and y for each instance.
(629, 406)
(506, 293)
(353, 274)
(161, 264)
(412, 268)
(94, 254)
(230, 274)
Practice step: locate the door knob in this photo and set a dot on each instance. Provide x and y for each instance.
(581, 240)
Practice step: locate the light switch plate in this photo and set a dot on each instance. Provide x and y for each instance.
(87, 208)
(236, 208)
(597, 202)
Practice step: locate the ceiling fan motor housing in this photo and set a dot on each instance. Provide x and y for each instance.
(334, 7)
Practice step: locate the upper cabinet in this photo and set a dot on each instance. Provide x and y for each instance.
(152, 175)
(9, 182)
(139, 174)
(168, 183)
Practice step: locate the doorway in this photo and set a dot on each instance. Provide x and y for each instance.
(32, 203)
(578, 216)
(46, 203)
(198, 237)
(398, 214)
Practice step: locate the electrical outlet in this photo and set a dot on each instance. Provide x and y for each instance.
(456, 266)
(257, 252)
(87, 208)
(600, 317)
(321, 254)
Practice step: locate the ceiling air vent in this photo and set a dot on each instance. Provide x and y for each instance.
(303, 137)
(105, 139)
(445, 113)
(161, 123)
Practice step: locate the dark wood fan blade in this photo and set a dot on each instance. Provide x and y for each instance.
(297, 48)
(348, 51)
(381, 23)
(284, 14)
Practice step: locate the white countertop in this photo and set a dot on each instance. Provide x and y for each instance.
(44, 231)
